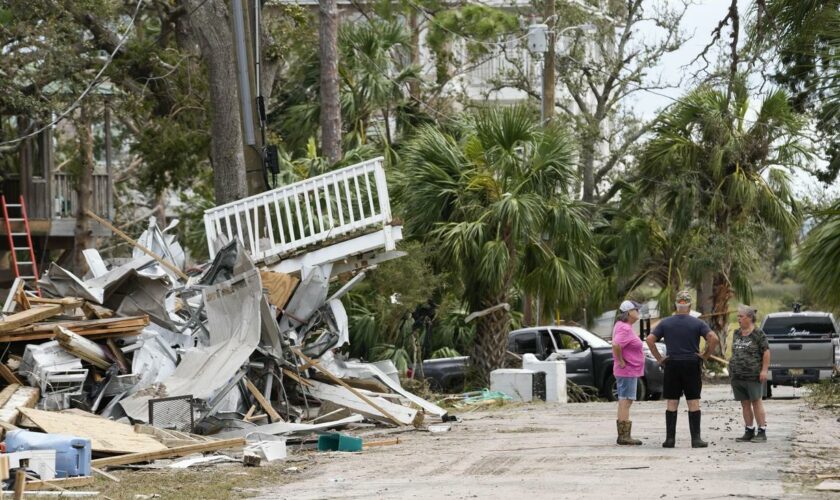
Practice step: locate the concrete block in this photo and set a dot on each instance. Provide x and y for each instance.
(555, 377)
(516, 383)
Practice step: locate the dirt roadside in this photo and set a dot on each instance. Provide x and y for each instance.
(568, 451)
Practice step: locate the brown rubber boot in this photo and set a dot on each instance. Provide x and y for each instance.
(624, 428)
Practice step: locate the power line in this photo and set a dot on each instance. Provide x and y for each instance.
(93, 83)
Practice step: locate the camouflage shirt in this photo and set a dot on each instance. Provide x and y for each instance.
(747, 352)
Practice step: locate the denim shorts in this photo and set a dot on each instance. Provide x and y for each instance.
(627, 387)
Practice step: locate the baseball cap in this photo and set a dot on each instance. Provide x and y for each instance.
(683, 297)
(628, 305)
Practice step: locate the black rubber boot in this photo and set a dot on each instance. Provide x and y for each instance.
(670, 429)
(749, 434)
(694, 426)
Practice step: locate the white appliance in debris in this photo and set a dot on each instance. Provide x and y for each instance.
(521, 385)
(555, 376)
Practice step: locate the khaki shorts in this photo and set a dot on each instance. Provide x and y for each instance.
(747, 390)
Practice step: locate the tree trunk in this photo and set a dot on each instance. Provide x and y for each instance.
(330, 106)
(720, 320)
(549, 78)
(82, 233)
(414, 28)
(587, 165)
(210, 25)
(490, 345)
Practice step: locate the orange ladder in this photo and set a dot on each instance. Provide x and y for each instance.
(25, 269)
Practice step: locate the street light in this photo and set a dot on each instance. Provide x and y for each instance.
(538, 44)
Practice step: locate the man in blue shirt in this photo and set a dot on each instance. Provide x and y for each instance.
(683, 366)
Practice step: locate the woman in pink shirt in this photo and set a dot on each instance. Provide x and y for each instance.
(628, 366)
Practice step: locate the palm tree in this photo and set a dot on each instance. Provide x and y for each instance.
(494, 202)
(818, 264)
(720, 174)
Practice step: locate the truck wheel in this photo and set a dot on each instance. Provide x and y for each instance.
(641, 390)
(610, 388)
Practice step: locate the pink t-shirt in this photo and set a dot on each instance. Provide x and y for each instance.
(631, 351)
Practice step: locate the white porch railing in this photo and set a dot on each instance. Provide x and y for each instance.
(312, 211)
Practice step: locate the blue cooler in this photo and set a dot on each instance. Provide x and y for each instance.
(72, 454)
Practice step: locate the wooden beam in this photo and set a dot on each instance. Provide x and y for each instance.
(266, 405)
(137, 244)
(386, 442)
(294, 376)
(343, 384)
(8, 375)
(133, 458)
(95, 311)
(118, 356)
(29, 316)
(52, 484)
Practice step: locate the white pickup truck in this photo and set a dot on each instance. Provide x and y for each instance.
(804, 347)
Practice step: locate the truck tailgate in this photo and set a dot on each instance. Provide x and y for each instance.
(801, 353)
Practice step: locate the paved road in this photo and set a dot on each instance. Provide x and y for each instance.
(566, 451)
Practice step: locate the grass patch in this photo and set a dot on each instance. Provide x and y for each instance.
(217, 482)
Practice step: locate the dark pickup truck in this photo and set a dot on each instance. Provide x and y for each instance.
(589, 361)
(804, 347)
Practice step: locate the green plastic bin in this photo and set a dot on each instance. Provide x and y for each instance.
(335, 441)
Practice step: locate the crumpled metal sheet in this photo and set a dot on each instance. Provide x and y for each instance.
(154, 361)
(308, 298)
(233, 324)
(163, 245)
(60, 282)
(138, 294)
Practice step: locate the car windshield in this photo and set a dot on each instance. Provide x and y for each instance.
(798, 325)
(589, 337)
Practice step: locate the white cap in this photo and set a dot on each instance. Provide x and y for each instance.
(628, 305)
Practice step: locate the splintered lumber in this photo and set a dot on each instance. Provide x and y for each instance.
(82, 348)
(280, 287)
(105, 435)
(95, 311)
(266, 405)
(8, 375)
(386, 442)
(118, 356)
(137, 244)
(340, 382)
(53, 484)
(29, 316)
(133, 458)
(171, 438)
(23, 398)
(371, 406)
(99, 328)
(68, 303)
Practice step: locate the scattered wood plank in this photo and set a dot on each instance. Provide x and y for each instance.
(20, 483)
(105, 435)
(133, 458)
(340, 382)
(294, 376)
(360, 403)
(68, 303)
(118, 355)
(11, 298)
(82, 348)
(105, 474)
(7, 392)
(171, 438)
(266, 405)
(98, 328)
(251, 411)
(8, 375)
(70, 482)
(29, 316)
(280, 287)
(95, 311)
(21, 298)
(23, 398)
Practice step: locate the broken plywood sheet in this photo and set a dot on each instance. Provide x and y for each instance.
(280, 287)
(105, 435)
(344, 397)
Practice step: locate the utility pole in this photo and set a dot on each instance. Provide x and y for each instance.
(330, 105)
(549, 80)
(243, 34)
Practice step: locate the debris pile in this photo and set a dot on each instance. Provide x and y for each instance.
(144, 361)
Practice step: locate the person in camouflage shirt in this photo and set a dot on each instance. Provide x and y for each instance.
(748, 373)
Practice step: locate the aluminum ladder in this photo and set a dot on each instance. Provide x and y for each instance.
(20, 242)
